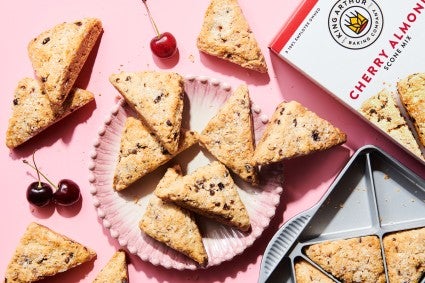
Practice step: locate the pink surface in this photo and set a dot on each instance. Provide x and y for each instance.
(63, 150)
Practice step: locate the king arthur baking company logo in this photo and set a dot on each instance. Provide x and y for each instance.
(355, 24)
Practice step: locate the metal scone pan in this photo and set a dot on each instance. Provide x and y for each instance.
(373, 195)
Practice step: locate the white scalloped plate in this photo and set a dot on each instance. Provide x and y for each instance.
(121, 211)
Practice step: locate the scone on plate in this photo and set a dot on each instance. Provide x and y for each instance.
(209, 191)
(59, 53)
(141, 152)
(226, 34)
(229, 135)
(32, 111)
(172, 225)
(350, 260)
(307, 273)
(43, 252)
(115, 270)
(382, 110)
(405, 255)
(293, 131)
(412, 94)
(158, 98)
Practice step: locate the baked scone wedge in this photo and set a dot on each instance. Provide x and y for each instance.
(32, 111)
(43, 252)
(412, 94)
(307, 273)
(405, 255)
(382, 110)
(209, 191)
(229, 135)
(226, 34)
(115, 270)
(59, 53)
(350, 260)
(158, 98)
(172, 225)
(141, 152)
(293, 131)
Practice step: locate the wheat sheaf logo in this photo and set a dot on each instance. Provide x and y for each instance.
(355, 24)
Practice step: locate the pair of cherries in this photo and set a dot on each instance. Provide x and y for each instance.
(40, 194)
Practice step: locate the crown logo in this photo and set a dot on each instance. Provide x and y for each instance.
(356, 22)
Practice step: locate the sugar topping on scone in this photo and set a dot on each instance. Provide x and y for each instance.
(158, 98)
(412, 94)
(229, 135)
(115, 270)
(382, 110)
(226, 34)
(293, 131)
(209, 191)
(141, 152)
(350, 260)
(172, 225)
(307, 273)
(43, 252)
(59, 53)
(33, 112)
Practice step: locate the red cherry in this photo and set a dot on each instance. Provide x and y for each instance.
(68, 193)
(39, 194)
(163, 45)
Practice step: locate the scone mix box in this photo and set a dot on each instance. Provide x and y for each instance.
(361, 51)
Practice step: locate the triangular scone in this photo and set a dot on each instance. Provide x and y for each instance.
(382, 110)
(173, 225)
(350, 260)
(32, 111)
(226, 34)
(293, 131)
(412, 95)
(158, 98)
(209, 191)
(141, 152)
(307, 273)
(43, 252)
(115, 271)
(229, 135)
(405, 255)
(58, 55)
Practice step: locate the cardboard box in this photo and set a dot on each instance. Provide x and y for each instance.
(355, 49)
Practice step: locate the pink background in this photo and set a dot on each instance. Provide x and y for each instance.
(63, 150)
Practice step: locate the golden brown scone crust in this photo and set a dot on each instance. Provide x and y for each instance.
(226, 34)
(350, 260)
(32, 111)
(43, 252)
(115, 271)
(307, 273)
(59, 53)
(229, 135)
(293, 131)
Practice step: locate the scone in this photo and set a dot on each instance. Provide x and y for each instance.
(350, 260)
(158, 98)
(405, 255)
(382, 110)
(115, 271)
(43, 252)
(33, 112)
(173, 225)
(412, 95)
(293, 131)
(59, 53)
(226, 34)
(307, 273)
(229, 135)
(141, 152)
(209, 191)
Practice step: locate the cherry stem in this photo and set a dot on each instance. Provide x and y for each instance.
(151, 19)
(38, 172)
